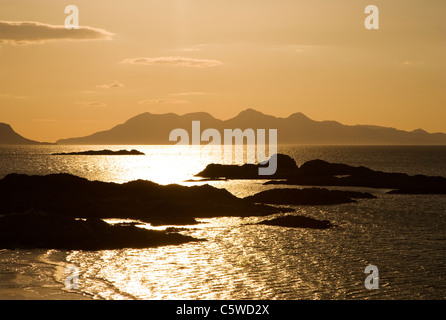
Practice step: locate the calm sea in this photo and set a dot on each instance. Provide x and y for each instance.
(403, 235)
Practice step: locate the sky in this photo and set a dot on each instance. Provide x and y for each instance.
(220, 56)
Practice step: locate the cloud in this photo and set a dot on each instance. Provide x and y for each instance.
(163, 101)
(44, 120)
(194, 48)
(27, 32)
(175, 62)
(300, 48)
(91, 103)
(190, 94)
(111, 85)
(412, 63)
(9, 96)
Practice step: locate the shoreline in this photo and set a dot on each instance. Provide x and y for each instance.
(34, 275)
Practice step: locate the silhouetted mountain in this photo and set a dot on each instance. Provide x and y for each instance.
(150, 128)
(9, 136)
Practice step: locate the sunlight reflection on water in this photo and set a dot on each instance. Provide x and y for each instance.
(402, 235)
(241, 261)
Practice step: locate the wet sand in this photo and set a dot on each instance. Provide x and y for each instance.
(34, 275)
(15, 291)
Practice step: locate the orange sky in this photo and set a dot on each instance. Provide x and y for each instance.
(276, 56)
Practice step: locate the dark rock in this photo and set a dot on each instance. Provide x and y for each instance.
(286, 166)
(147, 201)
(308, 196)
(421, 189)
(105, 152)
(298, 222)
(323, 168)
(53, 231)
(322, 173)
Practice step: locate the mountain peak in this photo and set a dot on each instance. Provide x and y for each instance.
(298, 115)
(250, 112)
(5, 125)
(200, 115)
(9, 136)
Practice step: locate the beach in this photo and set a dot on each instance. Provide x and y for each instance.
(34, 275)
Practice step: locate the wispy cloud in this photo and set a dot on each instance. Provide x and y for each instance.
(113, 85)
(91, 103)
(193, 48)
(175, 62)
(297, 48)
(9, 96)
(412, 63)
(193, 93)
(27, 32)
(163, 101)
(44, 120)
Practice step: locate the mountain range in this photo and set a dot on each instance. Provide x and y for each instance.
(148, 128)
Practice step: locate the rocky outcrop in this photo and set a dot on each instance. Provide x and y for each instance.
(286, 167)
(298, 222)
(307, 196)
(53, 231)
(76, 197)
(322, 173)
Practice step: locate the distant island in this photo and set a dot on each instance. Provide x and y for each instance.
(9, 137)
(154, 129)
(105, 152)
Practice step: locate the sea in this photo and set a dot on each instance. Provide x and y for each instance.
(403, 236)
